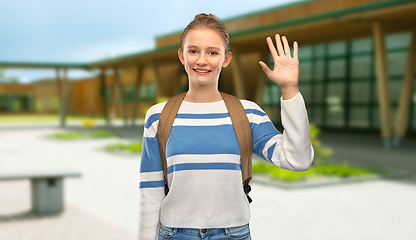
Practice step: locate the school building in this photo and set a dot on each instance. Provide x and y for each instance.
(357, 69)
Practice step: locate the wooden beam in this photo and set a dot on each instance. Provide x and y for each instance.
(383, 85)
(119, 89)
(238, 79)
(139, 79)
(406, 93)
(104, 93)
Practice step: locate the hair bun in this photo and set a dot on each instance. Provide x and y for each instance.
(204, 15)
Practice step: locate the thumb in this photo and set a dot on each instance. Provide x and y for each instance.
(265, 68)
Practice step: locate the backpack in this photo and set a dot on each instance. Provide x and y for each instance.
(241, 127)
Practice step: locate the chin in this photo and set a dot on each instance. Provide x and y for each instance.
(203, 83)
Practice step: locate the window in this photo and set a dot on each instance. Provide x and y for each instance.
(360, 92)
(338, 82)
(361, 66)
(359, 117)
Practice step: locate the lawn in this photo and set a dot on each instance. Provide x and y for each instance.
(39, 118)
(321, 167)
(47, 118)
(134, 147)
(82, 135)
(316, 171)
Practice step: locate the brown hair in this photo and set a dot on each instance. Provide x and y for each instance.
(203, 20)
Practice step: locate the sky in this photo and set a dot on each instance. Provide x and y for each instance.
(78, 31)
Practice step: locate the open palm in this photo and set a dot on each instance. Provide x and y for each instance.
(286, 68)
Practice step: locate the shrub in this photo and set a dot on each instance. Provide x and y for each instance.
(321, 153)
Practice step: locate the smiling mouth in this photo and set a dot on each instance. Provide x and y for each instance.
(202, 70)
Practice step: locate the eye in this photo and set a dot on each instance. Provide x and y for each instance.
(192, 51)
(213, 53)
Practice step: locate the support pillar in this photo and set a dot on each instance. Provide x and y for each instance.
(112, 102)
(237, 75)
(61, 95)
(139, 78)
(383, 85)
(158, 83)
(406, 93)
(104, 95)
(119, 90)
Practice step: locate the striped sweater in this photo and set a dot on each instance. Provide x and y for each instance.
(203, 163)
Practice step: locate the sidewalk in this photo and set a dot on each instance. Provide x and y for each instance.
(102, 204)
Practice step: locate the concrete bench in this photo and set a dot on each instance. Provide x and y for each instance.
(47, 188)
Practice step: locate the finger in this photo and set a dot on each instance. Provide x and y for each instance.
(265, 68)
(271, 47)
(286, 44)
(279, 45)
(295, 50)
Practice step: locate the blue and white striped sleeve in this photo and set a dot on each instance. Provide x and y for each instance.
(151, 185)
(291, 150)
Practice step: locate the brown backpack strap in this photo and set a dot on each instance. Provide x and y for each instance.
(166, 118)
(241, 127)
(245, 139)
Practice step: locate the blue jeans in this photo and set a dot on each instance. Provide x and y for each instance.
(236, 233)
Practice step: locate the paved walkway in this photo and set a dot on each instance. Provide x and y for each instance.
(102, 204)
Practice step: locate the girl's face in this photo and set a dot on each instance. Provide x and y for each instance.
(203, 55)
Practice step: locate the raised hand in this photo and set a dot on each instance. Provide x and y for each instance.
(286, 68)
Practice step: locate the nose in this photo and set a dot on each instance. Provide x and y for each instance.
(201, 61)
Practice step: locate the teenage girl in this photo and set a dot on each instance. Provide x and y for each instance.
(206, 199)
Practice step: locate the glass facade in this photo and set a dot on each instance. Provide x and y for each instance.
(16, 102)
(147, 93)
(338, 83)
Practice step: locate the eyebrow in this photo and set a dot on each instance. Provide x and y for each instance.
(194, 46)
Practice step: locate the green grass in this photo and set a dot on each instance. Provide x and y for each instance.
(66, 136)
(314, 172)
(81, 135)
(102, 134)
(40, 118)
(135, 147)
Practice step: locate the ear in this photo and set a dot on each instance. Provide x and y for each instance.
(180, 55)
(227, 60)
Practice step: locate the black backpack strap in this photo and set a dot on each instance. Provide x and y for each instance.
(166, 119)
(245, 139)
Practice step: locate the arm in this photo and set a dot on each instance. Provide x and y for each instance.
(296, 152)
(151, 186)
(291, 150)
